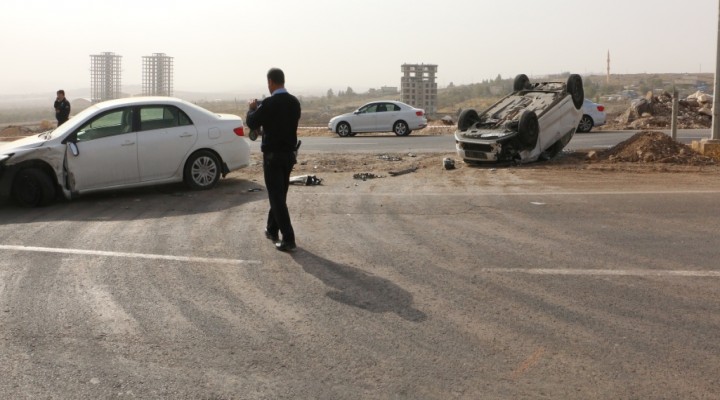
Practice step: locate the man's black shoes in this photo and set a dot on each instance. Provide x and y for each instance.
(285, 246)
(274, 238)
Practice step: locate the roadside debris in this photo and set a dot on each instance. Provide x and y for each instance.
(448, 163)
(388, 157)
(654, 112)
(366, 175)
(403, 172)
(447, 120)
(254, 190)
(307, 180)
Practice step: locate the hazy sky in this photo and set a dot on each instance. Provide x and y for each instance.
(221, 45)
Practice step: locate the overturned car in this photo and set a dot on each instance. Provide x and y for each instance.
(536, 121)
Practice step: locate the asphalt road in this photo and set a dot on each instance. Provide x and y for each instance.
(518, 283)
(417, 142)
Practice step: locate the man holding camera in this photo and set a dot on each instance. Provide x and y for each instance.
(278, 115)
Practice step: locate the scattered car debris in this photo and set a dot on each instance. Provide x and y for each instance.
(366, 175)
(307, 180)
(447, 120)
(388, 157)
(403, 172)
(412, 155)
(254, 190)
(448, 163)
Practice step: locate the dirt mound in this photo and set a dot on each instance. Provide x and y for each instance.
(653, 147)
(15, 131)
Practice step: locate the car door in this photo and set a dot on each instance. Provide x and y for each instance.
(166, 135)
(107, 152)
(386, 116)
(365, 119)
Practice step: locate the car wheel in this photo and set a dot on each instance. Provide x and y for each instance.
(343, 129)
(32, 188)
(401, 128)
(575, 89)
(528, 130)
(467, 119)
(202, 170)
(585, 125)
(522, 82)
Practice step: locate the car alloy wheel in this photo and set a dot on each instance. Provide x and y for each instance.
(586, 124)
(343, 129)
(400, 128)
(202, 170)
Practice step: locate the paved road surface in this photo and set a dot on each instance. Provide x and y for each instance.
(418, 143)
(519, 284)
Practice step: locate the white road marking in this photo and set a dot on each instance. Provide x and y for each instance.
(581, 193)
(603, 272)
(203, 260)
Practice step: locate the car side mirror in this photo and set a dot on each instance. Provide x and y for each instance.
(74, 149)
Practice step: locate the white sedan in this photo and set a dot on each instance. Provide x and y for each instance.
(380, 116)
(124, 143)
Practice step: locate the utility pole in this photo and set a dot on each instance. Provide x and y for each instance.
(711, 147)
(716, 109)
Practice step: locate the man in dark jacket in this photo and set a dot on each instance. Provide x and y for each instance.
(278, 115)
(62, 108)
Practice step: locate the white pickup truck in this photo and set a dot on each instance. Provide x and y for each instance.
(536, 121)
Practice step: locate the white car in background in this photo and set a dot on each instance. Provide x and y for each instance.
(123, 143)
(380, 116)
(593, 115)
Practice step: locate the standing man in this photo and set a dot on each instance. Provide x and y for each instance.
(62, 108)
(278, 115)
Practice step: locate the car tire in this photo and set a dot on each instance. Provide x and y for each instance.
(33, 188)
(401, 128)
(467, 119)
(528, 130)
(575, 89)
(522, 82)
(586, 124)
(343, 129)
(202, 170)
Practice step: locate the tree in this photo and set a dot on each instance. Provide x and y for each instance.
(349, 92)
(330, 94)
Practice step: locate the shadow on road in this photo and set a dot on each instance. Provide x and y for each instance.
(357, 288)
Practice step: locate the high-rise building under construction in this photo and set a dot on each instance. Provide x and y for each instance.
(105, 76)
(157, 75)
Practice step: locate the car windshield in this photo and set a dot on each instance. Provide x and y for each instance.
(68, 126)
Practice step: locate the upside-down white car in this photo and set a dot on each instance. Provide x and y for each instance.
(537, 120)
(124, 143)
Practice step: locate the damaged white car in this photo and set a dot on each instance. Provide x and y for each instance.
(124, 143)
(537, 120)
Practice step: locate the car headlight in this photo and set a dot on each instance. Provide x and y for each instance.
(4, 157)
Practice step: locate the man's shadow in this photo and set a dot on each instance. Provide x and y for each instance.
(357, 288)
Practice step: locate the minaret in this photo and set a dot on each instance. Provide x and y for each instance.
(608, 68)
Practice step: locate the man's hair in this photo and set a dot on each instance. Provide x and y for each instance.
(276, 75)
(62, 92)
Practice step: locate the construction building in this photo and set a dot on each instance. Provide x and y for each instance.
(105, 74)
(157, 75)
(418, 87)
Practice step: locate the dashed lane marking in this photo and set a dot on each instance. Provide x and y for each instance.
(204, 260)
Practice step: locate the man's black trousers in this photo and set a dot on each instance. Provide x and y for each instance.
(277, 167)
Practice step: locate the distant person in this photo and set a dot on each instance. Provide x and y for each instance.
(62, 108)
(278, 115)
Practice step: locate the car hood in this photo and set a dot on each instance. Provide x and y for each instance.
(29, 142)
(350, 114)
